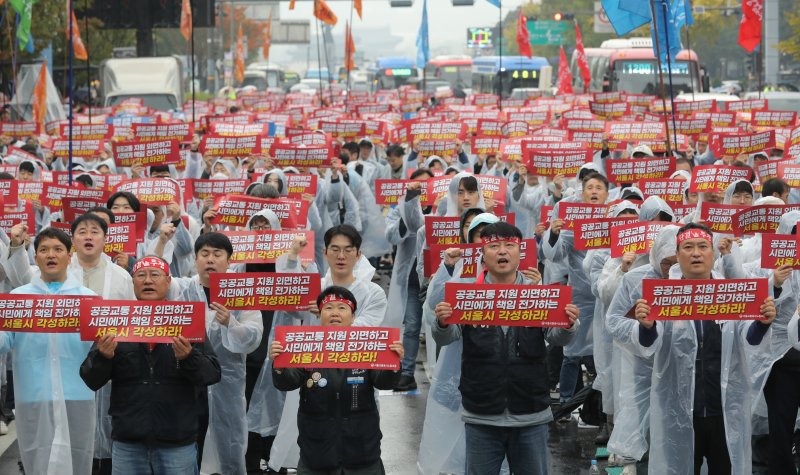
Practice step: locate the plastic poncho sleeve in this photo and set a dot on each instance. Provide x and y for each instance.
(608, 281)
(243, 332)
(18, 267)
(337, 193)
(624, 330)
(557, 251)
(372, 310)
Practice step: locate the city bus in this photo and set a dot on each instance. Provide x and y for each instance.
(490, 73)
(457, 70)
(391, 73)
(630, 65)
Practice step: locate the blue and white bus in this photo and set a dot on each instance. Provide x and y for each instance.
(391, 72)
(515, 71)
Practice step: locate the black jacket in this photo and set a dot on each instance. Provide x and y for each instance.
(339, 424)
(708, 369)
(153, 396)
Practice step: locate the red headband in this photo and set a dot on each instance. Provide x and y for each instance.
(694, 234)
(495, 238)
(335, 298)
(150, 263)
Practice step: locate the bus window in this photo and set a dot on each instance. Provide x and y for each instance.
(641, 77)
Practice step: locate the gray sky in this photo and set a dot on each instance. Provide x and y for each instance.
(447, 24)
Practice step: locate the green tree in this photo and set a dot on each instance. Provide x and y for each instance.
(791, 45)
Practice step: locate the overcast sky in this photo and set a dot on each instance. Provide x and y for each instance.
(447, 24)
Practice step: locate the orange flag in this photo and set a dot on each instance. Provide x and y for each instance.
(324, 13)
(40, 97)
(238, 68)
(186, 19)
(349, 50)
(357, 5)
(291, 5)
(78, 49)
(267, 37)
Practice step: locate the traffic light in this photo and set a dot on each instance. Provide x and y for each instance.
(559, 16)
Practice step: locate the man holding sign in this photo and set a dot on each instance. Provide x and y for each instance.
(696, 355)
(154, 419)
(504, 383)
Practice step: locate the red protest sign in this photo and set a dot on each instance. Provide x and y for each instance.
(264, 290)
(770, 169)
(531, 118)
(139, 219)
(550, 163)
(301, 156)
(546, 214)
(80, 148)
(779, 250)
(596, 233)
(87, 131)
(571, 212)
(682, 107)
(73, 207)
(53, 195)
(489, 145)
(716, 178)
(585, 125)
(437, 131)
(343, 128)
(705, 299)
(435, 188)
(760, 219)
(513, 305)
(747, 105)
(734, 144)
(121, 238)
(161, 152)
(143, 321)
(693, 127)
(790, 174)
(631, 170)
(668, 189)
(299, 184)
(228, 129)
(718, 119)
(388, 192)
(30, 190)
(9, 191)
(719, 217)
(152, 191)
(203, 189)
(441, 148)
(182, 132)
(764, 118)
(261, 247)
(337, 347)
(610, 110)
(635, 131)
(19, 130)
(236, 210)
(41, 313)
(442, 230)
(635, 237)
(681, 211)
(219, 146)
(493, 188)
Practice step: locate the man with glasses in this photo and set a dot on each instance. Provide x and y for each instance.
(154, 405)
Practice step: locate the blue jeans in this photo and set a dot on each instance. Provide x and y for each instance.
(139, 459)
(525, 448)
(412, 324)
(570, 372)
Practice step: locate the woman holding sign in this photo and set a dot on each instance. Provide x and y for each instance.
(338, 418)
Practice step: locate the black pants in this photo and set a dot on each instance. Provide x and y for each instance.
(202, 424)
(709, 443)
(258, 447)
(782, 393)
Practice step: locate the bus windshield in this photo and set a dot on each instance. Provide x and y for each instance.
(641, 77)
(513, 79)
(457, 76)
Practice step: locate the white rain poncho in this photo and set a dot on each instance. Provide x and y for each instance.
(406, 217)
(751, 247)
(634, 371)
(55, 410)
(341, 205)
(605, 274)
(526, 202)
(449, 206)
(226, 439)
(373, 223)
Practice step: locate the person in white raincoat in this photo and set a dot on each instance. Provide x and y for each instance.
(232, 334)
(703, 391)
(340, 204)
(55, 411)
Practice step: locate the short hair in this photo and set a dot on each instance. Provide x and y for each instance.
(471, 212)
(502, 229)
(691, 226)
(339, 292)
(6, 176)
(89, 217)
(470, 183)
(683, 160)
(130, 197)
(419, 172)
(743, 187)
(395, 150)
(105, 211)
(280, 182)
(85, 180)
(214, 241)
(351, 147)
(345, 230)
(595, 176)
(27, 166)
(52, 233)
(159, 169)
(774, 186)
(263, 190)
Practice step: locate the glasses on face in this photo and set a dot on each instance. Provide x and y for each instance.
(260, 227)
(154, 276)
(347, 251)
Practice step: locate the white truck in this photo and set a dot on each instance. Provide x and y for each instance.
(157, 81)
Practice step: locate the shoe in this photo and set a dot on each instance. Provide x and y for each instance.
(406, 383)
(565, 419)
(602, 435)
(3, 428)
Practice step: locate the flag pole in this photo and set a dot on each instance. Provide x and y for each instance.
(660, 75)
(347, 52)
(500, 51)
(88, 60)
(319, 57)
(689, 47)
(70, 53)
(669, 74)
(191, 59)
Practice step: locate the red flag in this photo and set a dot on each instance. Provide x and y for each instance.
(357, 5)
(583, 64)
(564, 76)
(186, 19)
(238, 69)
(40, 97)
(268, 37)
(750, 27)
(523, 37)
(291, 5)
(349, 49)
(324, 13)
(78, 49)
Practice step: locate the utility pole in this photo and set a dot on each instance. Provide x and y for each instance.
(770, 42)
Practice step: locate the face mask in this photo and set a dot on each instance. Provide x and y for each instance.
(219, 176)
